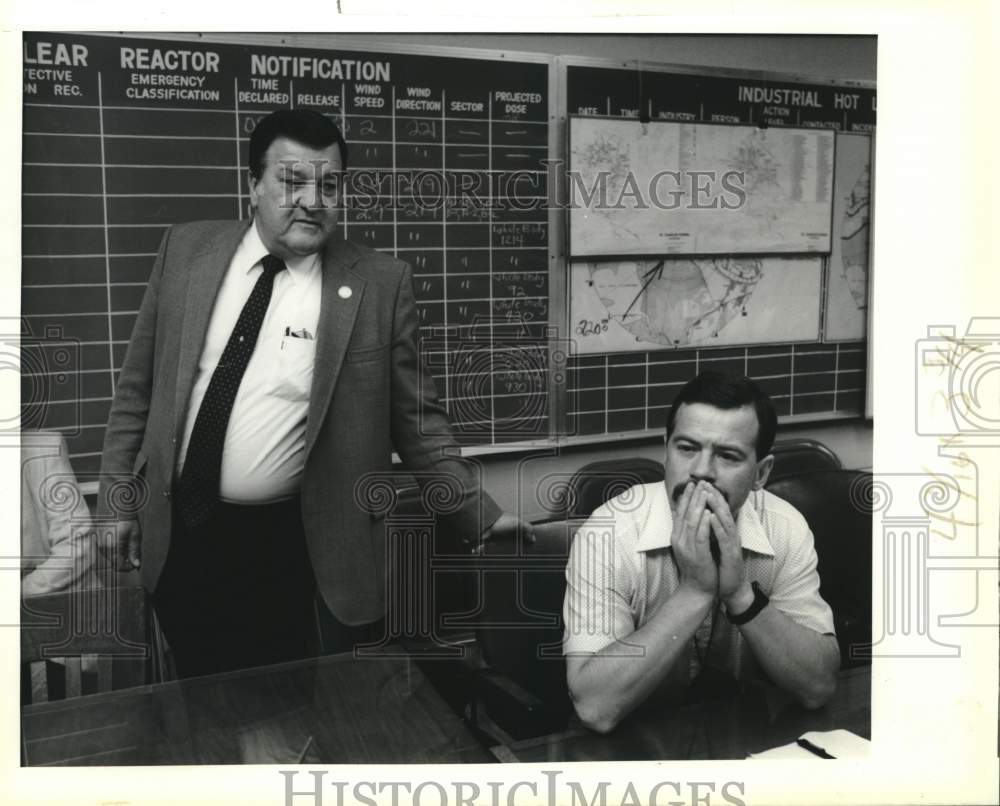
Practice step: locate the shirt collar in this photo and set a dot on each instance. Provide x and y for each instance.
(299, 268)
(656, 532)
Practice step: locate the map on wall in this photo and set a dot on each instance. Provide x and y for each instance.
(693, 188)
(618, 306)
(847, 286)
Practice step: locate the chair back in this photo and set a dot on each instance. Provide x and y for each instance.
(595, 483)
(111, 629)
(795, 456)
(598, 482)
(421, 599)
(837, 505)
(520, 623)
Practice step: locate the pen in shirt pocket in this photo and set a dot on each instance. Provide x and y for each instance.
(298, 334)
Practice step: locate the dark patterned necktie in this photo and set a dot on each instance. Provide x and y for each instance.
(198, 486)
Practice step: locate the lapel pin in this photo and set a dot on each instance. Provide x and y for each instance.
(344, 291)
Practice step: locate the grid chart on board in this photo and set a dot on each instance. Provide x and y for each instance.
(629, 392)
(124, 137)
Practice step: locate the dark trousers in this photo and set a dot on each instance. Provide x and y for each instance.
(238, 591)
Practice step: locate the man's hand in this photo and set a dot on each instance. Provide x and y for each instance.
(507, 526)
(731, 577)
(689, 539)
(128, 537)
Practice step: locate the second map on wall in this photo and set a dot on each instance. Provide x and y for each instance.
(692, 188)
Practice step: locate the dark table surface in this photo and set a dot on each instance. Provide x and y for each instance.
(756, 720)
(336, 709)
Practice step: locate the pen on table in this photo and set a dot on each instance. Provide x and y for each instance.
(305, 750)
(812, 748)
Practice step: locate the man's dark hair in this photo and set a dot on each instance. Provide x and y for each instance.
(301, 125)
(730, 392)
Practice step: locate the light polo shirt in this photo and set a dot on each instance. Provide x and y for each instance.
(620, 569)
(264, 453)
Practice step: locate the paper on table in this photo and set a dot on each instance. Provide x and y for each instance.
(838, 743)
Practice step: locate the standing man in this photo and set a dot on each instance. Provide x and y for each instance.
(272, 365)
(701, 580)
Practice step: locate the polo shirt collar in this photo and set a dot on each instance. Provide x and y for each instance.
(657, 530)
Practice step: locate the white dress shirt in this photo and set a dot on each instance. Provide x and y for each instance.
(264, 452)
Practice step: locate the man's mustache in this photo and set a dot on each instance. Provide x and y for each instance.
(678, 490)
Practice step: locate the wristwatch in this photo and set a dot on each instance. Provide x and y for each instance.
(760, 601)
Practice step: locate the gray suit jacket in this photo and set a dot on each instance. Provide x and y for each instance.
(369, 395)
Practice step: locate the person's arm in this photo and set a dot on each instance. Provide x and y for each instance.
(796, 658)
(421, 431)
(607, 685)
(127, 420)
(68, 530)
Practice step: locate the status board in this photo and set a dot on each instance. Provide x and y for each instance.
(614, 388)
(125, 136)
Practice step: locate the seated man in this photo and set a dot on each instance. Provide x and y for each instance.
(674, 587)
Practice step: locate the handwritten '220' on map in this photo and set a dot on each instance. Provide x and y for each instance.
(625, 305)
(687, 188)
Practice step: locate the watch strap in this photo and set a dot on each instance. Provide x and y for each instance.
(760, 601)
